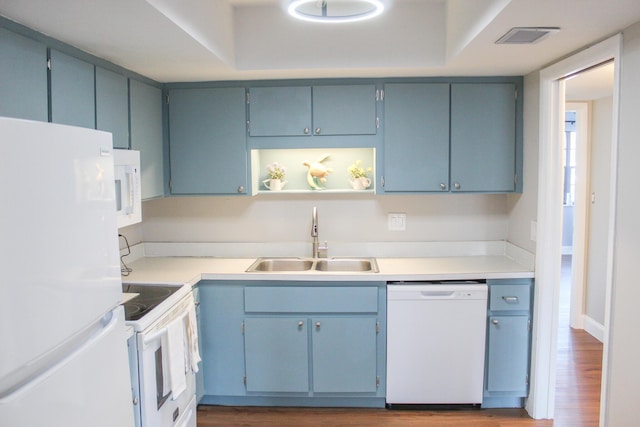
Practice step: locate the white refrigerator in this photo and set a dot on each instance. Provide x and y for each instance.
(63, 351)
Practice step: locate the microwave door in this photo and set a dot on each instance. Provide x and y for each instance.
(127, 183)
(125, 190)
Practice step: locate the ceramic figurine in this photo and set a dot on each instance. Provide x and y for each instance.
(317, 172)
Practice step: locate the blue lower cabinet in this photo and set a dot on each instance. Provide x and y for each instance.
(293, 343)
(344, 354)
(508, 351)
(508, 356)
(276, 354)
(222, 350)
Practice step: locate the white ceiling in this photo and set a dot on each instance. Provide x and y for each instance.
(197, 40)
(592, 84)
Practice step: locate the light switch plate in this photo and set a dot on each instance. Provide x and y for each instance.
(397, 222)
(534, 230)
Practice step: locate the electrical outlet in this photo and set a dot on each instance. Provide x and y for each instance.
(397, 222)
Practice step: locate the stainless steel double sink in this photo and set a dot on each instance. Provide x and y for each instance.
(293, 264)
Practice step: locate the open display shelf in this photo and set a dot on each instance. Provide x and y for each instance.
(338, 180)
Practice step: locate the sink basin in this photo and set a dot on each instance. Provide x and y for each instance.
(363, 265)
(347, 264)
(281, 264)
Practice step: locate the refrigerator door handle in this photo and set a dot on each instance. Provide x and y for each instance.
(36, 370)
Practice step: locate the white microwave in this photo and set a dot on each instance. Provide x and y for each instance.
(126, 168)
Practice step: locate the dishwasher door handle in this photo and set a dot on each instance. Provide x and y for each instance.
(437, 294)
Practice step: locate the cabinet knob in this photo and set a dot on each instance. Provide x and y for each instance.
(495, 322)
(306, 131)
(135, 400)
(300, 324)
(317, 325)
(443, 186)
(318, 131)
(457, 185)
(241, 189)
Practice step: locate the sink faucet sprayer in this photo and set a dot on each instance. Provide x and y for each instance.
(318, 251)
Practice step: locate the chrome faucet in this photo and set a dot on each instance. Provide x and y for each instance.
(318, 251)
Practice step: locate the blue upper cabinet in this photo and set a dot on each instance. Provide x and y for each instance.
(483, 137)
(344, 110)
(318, 110)
(146, 136)
(72, 91)
(112, 106)
(207, 140)
(280, 111)
(416, 137)
(23, 77)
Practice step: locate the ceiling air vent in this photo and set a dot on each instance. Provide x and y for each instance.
(526, 35)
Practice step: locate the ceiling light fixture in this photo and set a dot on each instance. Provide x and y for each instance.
(335, 11)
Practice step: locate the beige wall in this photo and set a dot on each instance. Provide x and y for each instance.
(349, 218)
(622, 407)
(522, 208)
(599, 183)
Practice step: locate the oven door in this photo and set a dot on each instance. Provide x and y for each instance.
(158, 406)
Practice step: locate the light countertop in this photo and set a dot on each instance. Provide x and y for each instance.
(191, 270)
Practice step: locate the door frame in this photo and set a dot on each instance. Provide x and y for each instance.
(541, 401)
(580, 214)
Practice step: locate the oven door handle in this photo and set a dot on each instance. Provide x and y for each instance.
(147, 339)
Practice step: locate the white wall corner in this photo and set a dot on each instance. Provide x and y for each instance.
(594, 328)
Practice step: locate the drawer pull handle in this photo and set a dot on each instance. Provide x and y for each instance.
(317, 325)
(300, 324)
(510, 299)
(495, 322)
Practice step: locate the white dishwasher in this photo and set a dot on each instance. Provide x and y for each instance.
(435, 342)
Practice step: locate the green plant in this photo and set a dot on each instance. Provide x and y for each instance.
(276, 171)
(357, 171)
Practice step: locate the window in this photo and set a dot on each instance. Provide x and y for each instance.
(569, 159)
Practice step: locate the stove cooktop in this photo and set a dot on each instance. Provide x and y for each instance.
(150, 297)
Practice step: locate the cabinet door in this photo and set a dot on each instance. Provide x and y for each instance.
(222, 342)
(199, 374)
(344, 110)
(146, 136)
(508, 355)
(276, 354)
(112, 106)
(207, 140)
(72, 91)
(483, 137)
(23, 77)
(416, 137)
(280, 111)
(344, 355)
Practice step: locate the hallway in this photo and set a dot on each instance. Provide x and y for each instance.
(579, 366)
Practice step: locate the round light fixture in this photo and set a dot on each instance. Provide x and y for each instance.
(335, 11)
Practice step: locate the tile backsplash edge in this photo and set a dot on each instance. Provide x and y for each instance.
(303, 249)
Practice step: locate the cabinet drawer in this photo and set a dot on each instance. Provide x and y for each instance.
(294, 299)
(509, 297)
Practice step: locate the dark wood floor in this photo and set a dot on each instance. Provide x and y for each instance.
(577, 398)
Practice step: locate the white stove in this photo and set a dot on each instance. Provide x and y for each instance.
(161, 354)
(151, 302)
